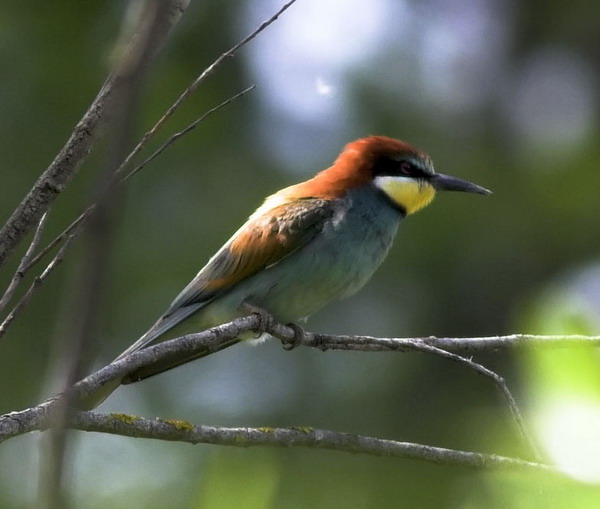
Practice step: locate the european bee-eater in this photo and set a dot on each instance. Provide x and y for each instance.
(308, 244)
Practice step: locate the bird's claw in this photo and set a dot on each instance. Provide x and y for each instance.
(297, 340)
(264, 325)
(264, 318)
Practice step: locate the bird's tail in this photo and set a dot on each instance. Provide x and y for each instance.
(91, 401)
(161, 367)
(157, 331)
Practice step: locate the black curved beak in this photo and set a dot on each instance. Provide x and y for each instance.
(443, 182)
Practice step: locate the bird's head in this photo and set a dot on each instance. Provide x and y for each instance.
(402, 173)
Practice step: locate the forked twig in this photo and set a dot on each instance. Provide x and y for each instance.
(196, 83)
(174, 107)
(22, 268)
(328, 342)
(57, 176)
(38, 281)
(186, 130)
(74, 228)
(69, 229)
(497, 380)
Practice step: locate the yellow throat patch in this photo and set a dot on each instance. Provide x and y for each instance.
(410, 194)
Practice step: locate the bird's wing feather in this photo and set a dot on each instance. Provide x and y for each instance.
(276, 230)
(270, 235)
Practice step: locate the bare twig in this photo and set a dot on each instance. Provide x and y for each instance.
(186, 130)
(58, 239)
(494, 343)
(458, 345)
(326, 342)
(73, 228)
(183, 431)
(37, 282)
(152, 20)
(496, 379)
(66, 164)
(196, 83)
(39, 418)
(174, 107)
(69, 229)
(20, 272)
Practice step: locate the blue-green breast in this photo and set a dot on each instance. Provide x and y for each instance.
(336, 263)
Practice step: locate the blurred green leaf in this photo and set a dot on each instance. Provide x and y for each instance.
(236, 479)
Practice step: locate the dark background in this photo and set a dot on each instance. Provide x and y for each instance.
(503, 93)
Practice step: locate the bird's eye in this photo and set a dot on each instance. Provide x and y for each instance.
(405, 168)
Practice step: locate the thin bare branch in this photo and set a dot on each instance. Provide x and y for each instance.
(130, 71)
(69, 229)
(327, 342)
(183, 132)
(174, 107)
(196, 83)
(38, 281)
(21, 269)
(457, 345)
(495, 378)
(494, 343)
(58, 239)
(73, 228)
(183, 431)
(68, 161)
(41, 417)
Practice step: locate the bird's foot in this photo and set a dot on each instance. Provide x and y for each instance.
(264, 318)
(297, 340)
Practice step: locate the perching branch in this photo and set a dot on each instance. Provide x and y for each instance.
(68, 161)
(39, 417)
(189, 345)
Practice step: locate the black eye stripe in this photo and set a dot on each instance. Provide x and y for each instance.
(387, 166)
(417, 172)
(405, 168)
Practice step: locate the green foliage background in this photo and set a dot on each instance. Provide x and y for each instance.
(519, 261)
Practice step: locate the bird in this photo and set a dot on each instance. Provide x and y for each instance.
(307, 245)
